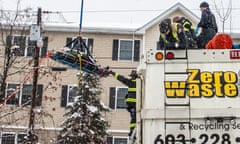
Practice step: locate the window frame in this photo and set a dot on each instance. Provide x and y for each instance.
(86, 40)
(114, 97)
(10, 133)
(120, 137)
(20, 92)
(68, 92)
(119, 49)
(26, 94)
(28, 44)
(16, 135)
(8, 91)
(136, 48)
(132, 50)
(117, 96)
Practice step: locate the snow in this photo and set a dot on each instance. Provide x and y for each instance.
(93, 90)
(104, 106)
(92, 108)
(86, 86)
(76, 98)
(75, 115)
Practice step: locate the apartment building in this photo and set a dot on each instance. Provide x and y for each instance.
(119, 48)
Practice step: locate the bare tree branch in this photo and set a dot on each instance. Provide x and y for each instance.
(15, 110)
(223, 15)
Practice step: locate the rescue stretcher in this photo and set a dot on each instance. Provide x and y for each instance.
(76, 58)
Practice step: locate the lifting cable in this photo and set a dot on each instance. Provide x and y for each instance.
(81, 41)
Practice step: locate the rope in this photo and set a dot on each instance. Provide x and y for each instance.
(27, 77)
(80, 70)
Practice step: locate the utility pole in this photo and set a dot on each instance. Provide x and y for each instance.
(32, 137)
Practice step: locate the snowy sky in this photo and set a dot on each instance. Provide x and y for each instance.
(133, 13)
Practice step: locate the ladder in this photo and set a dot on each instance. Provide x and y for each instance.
(132, 138)
(177, 112)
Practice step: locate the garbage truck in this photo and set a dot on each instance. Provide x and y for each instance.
(189, 96)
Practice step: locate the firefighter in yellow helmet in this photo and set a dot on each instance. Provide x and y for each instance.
(130, 98)
(188, 29)
(172, 35)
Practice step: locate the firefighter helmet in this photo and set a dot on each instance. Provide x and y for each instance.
(204, 4)
(176, 19)
(165, 25)
(133, 74)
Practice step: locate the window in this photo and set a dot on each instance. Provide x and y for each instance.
(117, 97)
(69, 92)
(72, 93)
(20, 138)
(22, 46)
(12, 138)
(117, 140)
(23, 94)
(8, 138)
(126, 50)
(9, 91)
(87, 41)
(26, 94)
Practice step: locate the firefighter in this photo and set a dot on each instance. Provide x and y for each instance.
(130, 98)
(188, 29)
(207, 25)
(172, 35)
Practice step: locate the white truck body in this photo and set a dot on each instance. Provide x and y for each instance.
(191, 98)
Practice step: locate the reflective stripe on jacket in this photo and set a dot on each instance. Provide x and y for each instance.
(131, 83)
(132, 125)
(187, 26)
(174, 34)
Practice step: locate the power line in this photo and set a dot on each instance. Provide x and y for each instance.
(113, 11)
(136, 10)
(16, 110)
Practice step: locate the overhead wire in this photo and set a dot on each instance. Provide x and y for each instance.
(133, 10)
(15, 110)
(111, 11)
(121, 11)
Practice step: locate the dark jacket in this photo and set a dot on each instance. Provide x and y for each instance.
(188, 27)
(130, 98)
(169, 40)
(189, 32)
(208, 20)
(209, 28)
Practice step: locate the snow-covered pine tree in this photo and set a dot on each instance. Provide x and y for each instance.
(84, 123)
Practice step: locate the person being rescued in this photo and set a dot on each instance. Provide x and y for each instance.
(172, 35)
(130, 98)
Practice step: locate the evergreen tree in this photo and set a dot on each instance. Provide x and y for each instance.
(84, 122)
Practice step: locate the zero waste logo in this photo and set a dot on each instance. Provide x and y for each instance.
(204, 84)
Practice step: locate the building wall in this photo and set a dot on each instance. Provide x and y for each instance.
(51, 115)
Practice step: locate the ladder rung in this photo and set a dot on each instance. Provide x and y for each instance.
(188, 104)
(176, 73)
(177, 122)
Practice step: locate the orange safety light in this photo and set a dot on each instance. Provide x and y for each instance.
(159, 56)
(170, 55)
